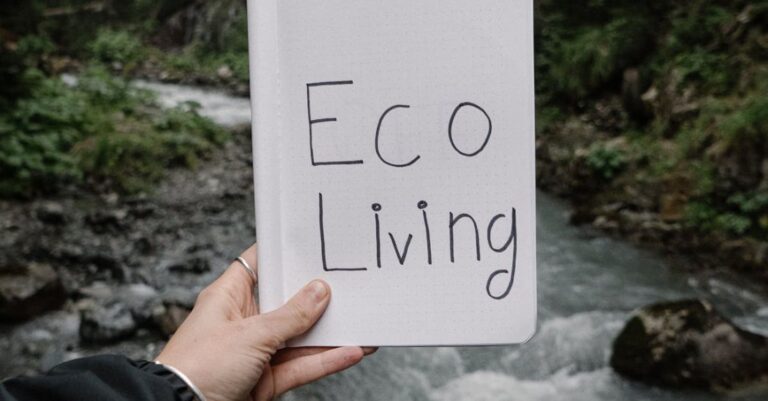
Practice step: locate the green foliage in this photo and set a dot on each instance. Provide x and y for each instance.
(749, 212)
(225, 45)
(749, 122)
(196, 60)
(751, 203)
(695, 25)
(134, 158)
(704, 178)
(708, 218)
(120, 46)
(606, 161)
(36, 134)
(742, 213)
(33, 47)
(733, 223)
(595, 55)
(101, 131)
(713, 72)
(546, 117)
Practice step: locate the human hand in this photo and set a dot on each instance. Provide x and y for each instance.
(232, 353)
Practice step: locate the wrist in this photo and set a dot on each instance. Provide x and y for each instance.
(181, 383)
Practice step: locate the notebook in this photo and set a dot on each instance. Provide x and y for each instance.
(393, 146)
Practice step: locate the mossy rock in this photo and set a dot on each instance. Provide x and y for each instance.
(688, 344)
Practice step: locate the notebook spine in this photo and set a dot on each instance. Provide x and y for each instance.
(264, 74)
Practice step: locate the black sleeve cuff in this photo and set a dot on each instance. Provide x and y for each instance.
(181, 388)
(99, 378)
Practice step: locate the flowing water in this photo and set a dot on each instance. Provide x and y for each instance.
(588, 286)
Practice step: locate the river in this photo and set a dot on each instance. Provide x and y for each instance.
(588, 286)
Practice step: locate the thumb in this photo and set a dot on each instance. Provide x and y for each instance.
(300, 313)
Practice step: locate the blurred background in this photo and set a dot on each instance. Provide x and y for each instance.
(126, 186)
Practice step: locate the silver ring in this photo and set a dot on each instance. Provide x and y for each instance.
(248, 268)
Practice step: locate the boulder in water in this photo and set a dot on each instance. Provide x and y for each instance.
(688, 344)
(29, 290)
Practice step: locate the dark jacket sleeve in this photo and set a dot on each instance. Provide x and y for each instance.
(108, 377)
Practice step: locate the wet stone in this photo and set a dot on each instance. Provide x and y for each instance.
(168, 318)
(29, 290)
(51, 213)
(688, 344)
(106, 324)
(195, 265)
(104, 220)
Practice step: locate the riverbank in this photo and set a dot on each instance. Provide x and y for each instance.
(130, 265)
(635, 205)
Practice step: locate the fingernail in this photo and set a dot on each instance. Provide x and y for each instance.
(318, 290)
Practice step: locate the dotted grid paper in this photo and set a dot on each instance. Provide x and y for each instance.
(394, 145)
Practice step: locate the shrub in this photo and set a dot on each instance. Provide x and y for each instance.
(33, 47)
(713, 72)
(111, 46)
(747, 122)
(606, 161)
(101, 131)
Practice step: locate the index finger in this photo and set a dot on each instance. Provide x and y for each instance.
(235, 287)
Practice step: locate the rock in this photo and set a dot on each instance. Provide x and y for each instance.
(98, 289)
(224, 72)
(144, 246)
(168, 318)
(103, 220)
(141, 299)
(672, 206)
(604, 223)
(174, 308)
(143, 210)
(51, 213)
(195, 265)
(29, 290)
(581, 215)
(632, 90)
(180, 296)
(106, 324)
(138, 293)
(138, 299)
(687, 344)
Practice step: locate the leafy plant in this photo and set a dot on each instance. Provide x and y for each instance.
(606, 161)
(714, 72)
(748, 122)
(101, 131)
(119, 46)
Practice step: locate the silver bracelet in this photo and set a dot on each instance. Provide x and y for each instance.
(182, 376)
